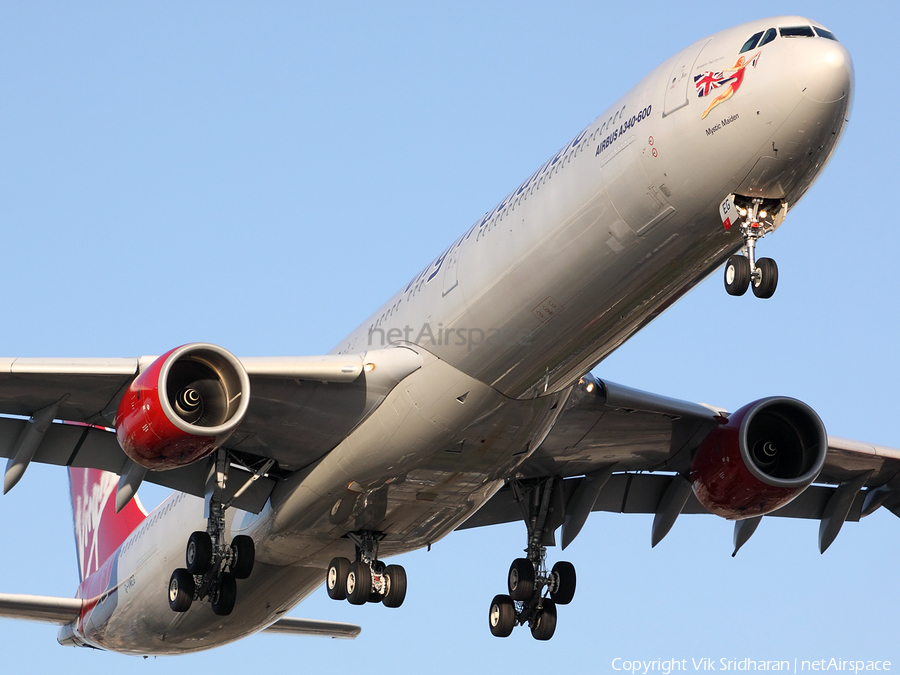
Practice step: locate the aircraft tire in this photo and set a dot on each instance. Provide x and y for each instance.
(565, 572)
(336, 578)
(502, 616)
(244, 555)
(396, 593)
(359, 583)
(544, 624)
(764, 286)
(199, 553)
(181, 590)
(521, 579)
(737, 275)
(227, 596)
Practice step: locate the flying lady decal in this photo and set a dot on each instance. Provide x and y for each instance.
(729, 80)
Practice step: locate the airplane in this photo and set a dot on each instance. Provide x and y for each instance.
(467, 399)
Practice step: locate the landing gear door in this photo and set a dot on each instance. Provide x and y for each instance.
(678, 86)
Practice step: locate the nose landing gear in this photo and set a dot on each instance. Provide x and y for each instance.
(756, 219)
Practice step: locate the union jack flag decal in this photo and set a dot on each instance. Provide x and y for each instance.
(708, 80)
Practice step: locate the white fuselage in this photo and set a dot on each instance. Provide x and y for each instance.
(596, 243)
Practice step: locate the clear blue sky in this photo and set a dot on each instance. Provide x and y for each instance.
(264, 175)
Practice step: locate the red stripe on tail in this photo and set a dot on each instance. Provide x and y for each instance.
(99, 530)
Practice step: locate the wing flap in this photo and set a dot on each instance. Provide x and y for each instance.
(643, 493)
(40, 608)
(91, 447)
(67, 444)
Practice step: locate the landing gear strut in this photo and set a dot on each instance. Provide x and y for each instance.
(366, 579)
(534, 593)
(208, 555)
(745, 271)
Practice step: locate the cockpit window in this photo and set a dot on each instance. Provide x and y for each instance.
(821, 32)
(751, 43)
(770, 35)
(797, 31)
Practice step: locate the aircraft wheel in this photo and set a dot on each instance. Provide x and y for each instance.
(521, 579)
(227, 595)
(199, 553)
(764, 284)
(502, 617)
(396, 586)
(544, 624)
(181, 590)
(359, 583)
(243, 556)
(565, 584)
(737, 275)
(336, 578)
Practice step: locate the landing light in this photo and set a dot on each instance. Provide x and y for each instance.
(763, 214)
(369, 367)
(590, 387)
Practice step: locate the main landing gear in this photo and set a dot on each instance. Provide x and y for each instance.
(535, 593)
(208, 556)
(744, 271)
(366, 579)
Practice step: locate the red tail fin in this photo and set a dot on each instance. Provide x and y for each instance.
(99, 530)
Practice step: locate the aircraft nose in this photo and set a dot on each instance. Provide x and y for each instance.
(822, 69)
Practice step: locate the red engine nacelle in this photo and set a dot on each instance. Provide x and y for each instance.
(768, 453)
(183, 406)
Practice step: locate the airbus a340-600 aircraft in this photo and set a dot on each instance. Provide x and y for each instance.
(466, 399)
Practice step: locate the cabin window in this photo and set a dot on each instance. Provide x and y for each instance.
(821, 32)
(797, 31)
(751, 43)
(770, 35)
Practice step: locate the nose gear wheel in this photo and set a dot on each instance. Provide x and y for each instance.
(757, 217)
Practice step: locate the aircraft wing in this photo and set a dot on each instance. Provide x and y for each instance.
(602, 449)
(290, 625)
(66, 610)
(610, 438)
(40, 608)
(301, 407)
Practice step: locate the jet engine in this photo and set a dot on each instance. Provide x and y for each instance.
(183, 406)
(767, 453)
